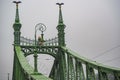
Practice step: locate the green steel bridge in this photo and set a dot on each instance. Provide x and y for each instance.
(67, 65)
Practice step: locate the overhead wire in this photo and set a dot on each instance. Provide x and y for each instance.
(110, 60)
(105, 52)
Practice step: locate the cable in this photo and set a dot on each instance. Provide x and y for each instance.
(111, 59)
(106, 52)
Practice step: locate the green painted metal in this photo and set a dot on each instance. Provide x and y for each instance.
(35, 61)
(117, 75)
(71, 68)
(93, 63)
(53, 72)
(22, 70)
(50, 50)
(79, 71)
(102, 75)
(67, 65)
(17, 11)
(58, 71)
(90, 72)
(17, 25)
(61, 27)
(103, 70)
(62, 63)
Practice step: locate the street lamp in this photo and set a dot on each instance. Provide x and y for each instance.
(42, 28)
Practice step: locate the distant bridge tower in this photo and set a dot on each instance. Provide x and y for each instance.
(17, 25)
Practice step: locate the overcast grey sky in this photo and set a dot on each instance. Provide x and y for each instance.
(92, 27)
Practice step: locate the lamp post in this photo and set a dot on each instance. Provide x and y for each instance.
(42, 28)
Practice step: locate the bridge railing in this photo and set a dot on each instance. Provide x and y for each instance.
(26, 41)
(71, 66)
(81, 68)
(51, 42)
(31, 42)
(22, 70)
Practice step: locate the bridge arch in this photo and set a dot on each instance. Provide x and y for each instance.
(53, 51)
(48, 53)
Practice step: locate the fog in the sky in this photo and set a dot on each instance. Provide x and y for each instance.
(92, 28)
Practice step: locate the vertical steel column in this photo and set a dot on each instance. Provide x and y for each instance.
(68, 65)
(63, 68)
(61, 64)
(53, 73)
(79, 71)
(116, 76)
(102, 75)
(71, 69)
(90, 74)
(35, 61)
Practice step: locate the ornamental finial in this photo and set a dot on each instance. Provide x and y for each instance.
(60, 13)
(17, 2)
(17, 13)
(60, 4)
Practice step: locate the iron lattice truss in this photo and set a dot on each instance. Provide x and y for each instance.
(50, 50)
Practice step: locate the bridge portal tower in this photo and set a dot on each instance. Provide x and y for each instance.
(17, 25)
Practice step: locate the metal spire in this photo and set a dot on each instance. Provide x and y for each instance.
(17, 25)
(17, 12)
(61, 27)
(60, 13)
